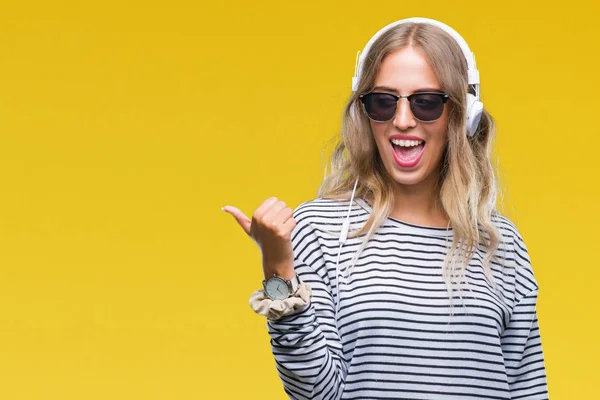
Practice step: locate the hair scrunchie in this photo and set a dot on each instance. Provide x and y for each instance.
(276, 309)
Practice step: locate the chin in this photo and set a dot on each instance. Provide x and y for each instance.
(407, 178)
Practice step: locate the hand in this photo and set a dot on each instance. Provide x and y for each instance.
(270, 228)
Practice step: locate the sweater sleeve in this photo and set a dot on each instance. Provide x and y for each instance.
(521, 341)
(306, 345)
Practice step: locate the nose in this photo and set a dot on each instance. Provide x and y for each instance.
(404, 118)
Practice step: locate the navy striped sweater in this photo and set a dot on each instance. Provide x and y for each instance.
(394, 337)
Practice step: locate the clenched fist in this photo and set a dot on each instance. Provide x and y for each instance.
(271, 227)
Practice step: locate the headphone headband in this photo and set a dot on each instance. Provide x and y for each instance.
(472, 72)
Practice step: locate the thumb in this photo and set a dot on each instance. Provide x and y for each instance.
(239, 216)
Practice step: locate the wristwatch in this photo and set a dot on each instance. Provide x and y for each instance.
(278, 288)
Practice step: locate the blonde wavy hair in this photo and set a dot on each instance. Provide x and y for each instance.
(467, 183)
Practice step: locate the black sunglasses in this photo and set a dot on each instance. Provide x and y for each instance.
(425, 106)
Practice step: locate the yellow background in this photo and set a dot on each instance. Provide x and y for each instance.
(126, 126)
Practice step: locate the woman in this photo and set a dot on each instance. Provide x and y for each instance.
(432, 296)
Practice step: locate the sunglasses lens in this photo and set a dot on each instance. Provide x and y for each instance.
(379, 106)
(427, 107)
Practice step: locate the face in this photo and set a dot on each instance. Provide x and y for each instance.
(404, 72)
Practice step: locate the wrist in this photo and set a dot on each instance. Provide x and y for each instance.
(284, 270)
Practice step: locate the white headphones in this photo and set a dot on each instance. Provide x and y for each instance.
(474, 106)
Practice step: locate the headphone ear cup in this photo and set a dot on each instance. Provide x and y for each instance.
(474, 113)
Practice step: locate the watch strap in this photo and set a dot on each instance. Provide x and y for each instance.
(294, 284)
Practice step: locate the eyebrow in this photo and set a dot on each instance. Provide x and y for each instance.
(389, 89)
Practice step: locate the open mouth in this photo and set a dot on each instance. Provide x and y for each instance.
(408, 151)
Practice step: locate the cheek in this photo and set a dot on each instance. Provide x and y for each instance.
(376, 128)
(379, 133)
(438, 138)
(440, 127)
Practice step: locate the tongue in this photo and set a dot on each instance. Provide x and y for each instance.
(408, 153)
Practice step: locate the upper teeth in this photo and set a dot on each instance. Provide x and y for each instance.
(407, 143)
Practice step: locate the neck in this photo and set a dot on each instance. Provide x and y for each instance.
(419, 204)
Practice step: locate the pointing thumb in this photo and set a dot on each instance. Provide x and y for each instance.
(239, 216)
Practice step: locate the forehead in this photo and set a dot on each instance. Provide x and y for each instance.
(406, 70)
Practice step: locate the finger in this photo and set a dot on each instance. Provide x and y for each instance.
(271, 213)
(264, 207)
(239, 216)
(289, 226)
(282, 216)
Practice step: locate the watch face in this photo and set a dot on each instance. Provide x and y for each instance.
(277, 289)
